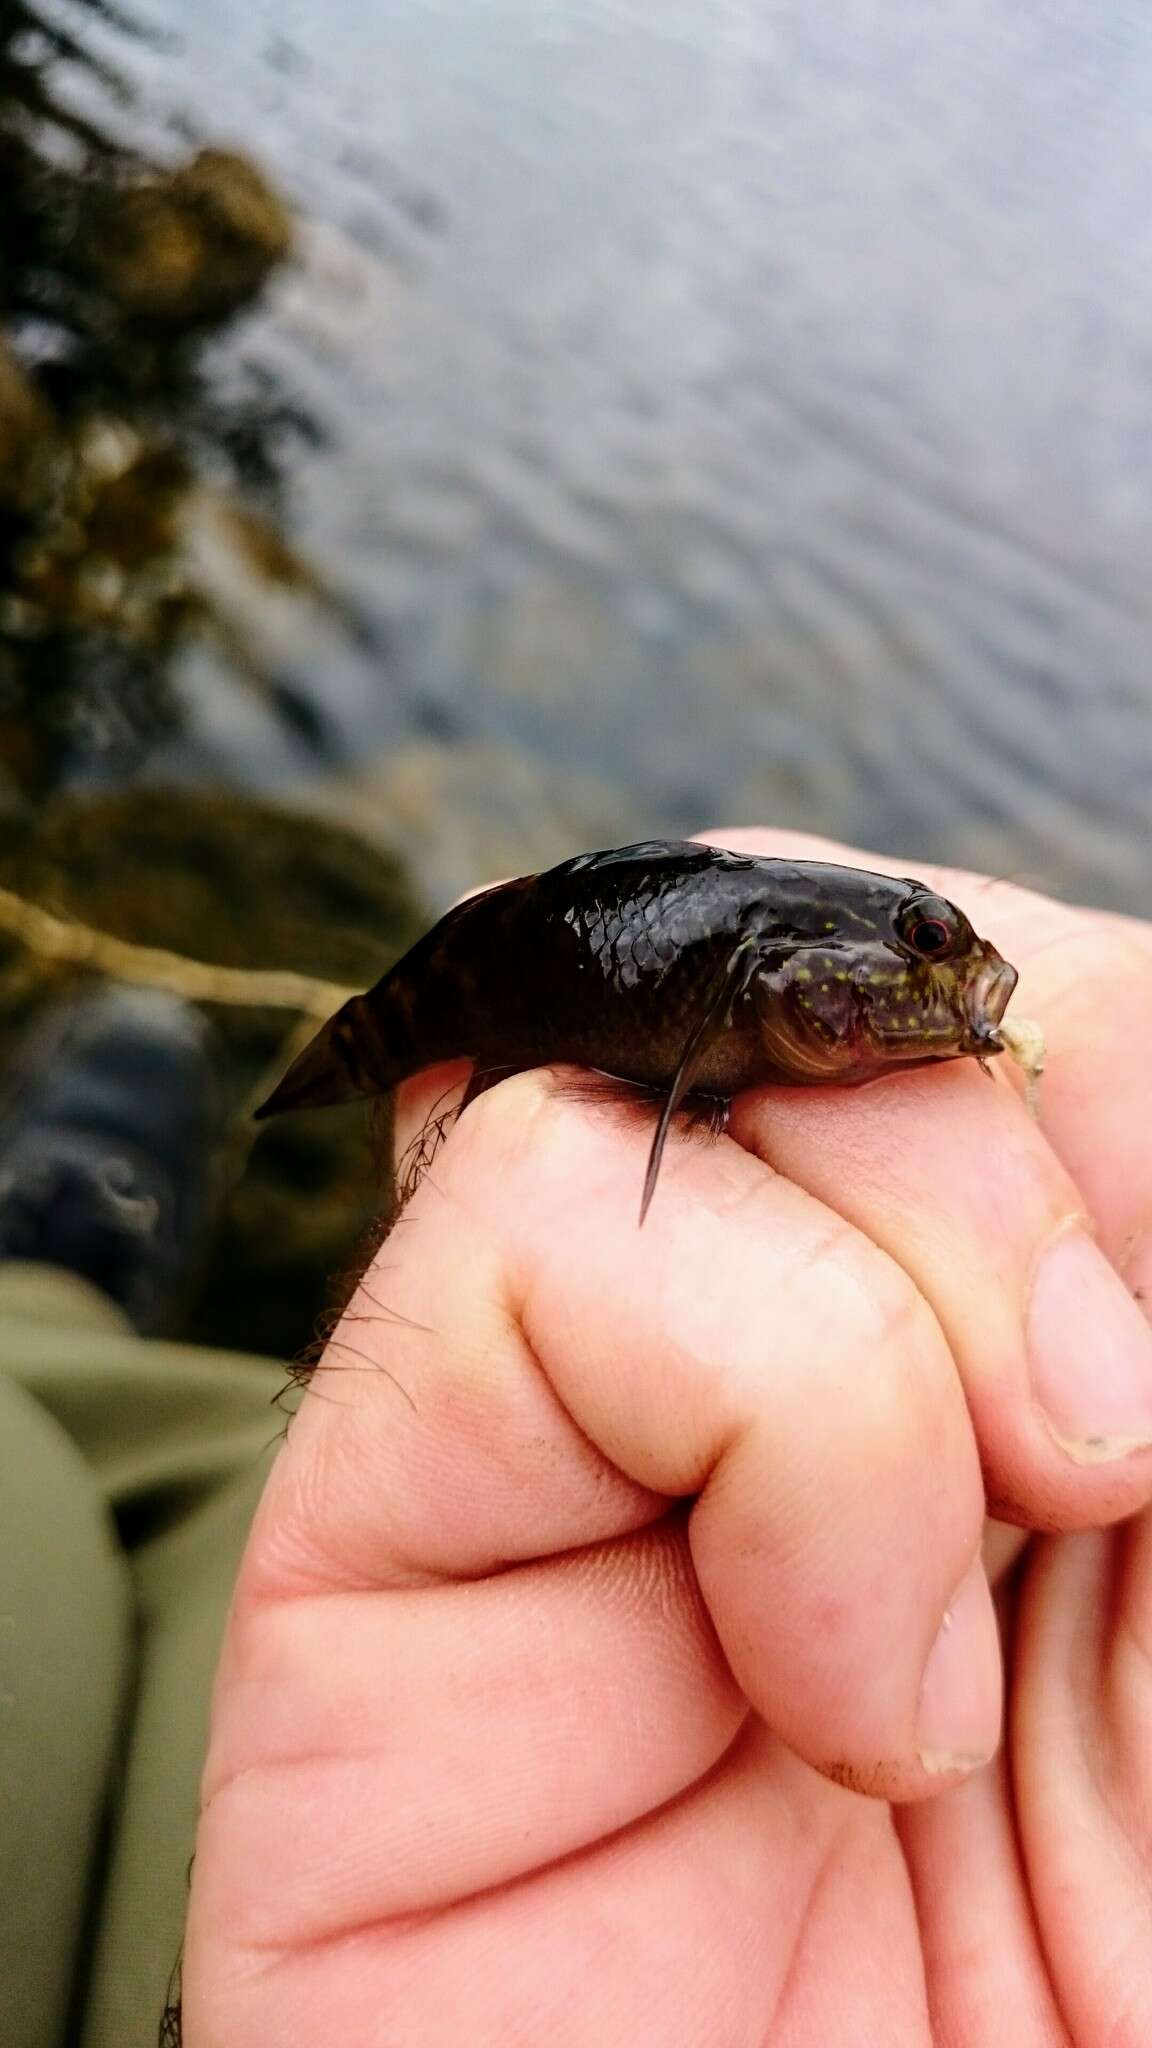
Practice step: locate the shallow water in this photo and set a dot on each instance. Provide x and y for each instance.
(734, 410)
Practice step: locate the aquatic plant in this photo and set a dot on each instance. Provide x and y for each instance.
(119, 451)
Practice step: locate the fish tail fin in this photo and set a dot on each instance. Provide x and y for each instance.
(345, 1061)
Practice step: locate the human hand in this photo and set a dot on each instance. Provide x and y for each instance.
(612, 1660)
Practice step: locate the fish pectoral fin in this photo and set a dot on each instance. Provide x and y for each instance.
(713, 1019)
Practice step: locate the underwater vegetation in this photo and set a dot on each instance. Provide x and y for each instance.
(124, 464)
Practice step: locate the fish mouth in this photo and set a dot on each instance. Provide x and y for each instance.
(984, 1003)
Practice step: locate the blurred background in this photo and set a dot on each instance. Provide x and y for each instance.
(444, 435)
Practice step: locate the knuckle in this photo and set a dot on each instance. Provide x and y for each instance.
(865, 1290)
(505, 1114)
(495, 1128)
(897, 1321)
(873, 1311)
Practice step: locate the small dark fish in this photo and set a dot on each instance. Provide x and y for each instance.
(678, 966)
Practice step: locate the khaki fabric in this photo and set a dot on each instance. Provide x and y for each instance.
(129, 1473)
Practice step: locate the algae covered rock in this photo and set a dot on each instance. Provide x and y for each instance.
(241, 883)
(117, 448)
(192, 246)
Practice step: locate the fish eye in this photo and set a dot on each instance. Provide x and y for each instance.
(930, 928)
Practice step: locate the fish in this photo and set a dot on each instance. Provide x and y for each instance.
(677, 966)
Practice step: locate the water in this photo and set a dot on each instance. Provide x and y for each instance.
(735, 409)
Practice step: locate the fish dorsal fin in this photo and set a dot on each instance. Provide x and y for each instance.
(713, 1019)
(687, 855)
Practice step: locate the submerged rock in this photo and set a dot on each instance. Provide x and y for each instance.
(192, 246)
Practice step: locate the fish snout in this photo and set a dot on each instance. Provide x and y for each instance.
(985, 1001)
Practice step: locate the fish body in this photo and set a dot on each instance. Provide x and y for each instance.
(682, 967)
